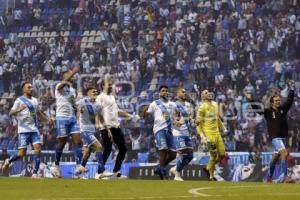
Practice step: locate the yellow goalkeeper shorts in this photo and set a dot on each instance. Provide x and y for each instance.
(216, 144)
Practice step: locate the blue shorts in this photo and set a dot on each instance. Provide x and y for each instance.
(88, 138)
(24, 139)
(164, 140)
(183, 142)
(278, 144)
(66, 126)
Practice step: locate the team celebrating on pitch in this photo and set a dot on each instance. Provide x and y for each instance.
(96, 114)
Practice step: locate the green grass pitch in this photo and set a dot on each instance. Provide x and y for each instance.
(65, 189)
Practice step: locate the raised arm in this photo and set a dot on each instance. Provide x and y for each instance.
(67, 77)
(289, 102)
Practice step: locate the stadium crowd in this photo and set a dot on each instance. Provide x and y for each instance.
(232, 47)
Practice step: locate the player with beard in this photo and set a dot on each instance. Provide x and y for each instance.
(182, 124)
(27, 111)
(276, 118)
(162, 110)
(66, 122)
(111, 131)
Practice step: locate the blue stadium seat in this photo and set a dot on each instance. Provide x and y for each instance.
(45, 11)
(59, 11)
(52, 11)
(28, 28)
(161, 81)
(73, 34)
(145, 87)
(22, 28)
(168, 82)
(190, 87)
(79, 33)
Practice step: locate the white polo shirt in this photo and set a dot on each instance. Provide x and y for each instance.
(109, 110)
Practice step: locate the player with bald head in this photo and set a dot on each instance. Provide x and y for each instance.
(182, 124)
(209, 126)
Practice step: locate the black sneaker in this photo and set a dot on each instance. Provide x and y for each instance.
(213, 179)
(119, 175)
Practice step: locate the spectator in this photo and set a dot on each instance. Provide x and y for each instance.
(232, 47)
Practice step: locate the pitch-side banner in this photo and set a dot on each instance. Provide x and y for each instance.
(239, 168)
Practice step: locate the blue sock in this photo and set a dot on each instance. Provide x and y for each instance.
(284, 167)
(78, 153)
(13, 158)
(163, 171)
(183, 160)
(179, 163)
(160, 169)
(58, 154)
(84, 161)
(37, 161)
(101, 166)
(271, 170)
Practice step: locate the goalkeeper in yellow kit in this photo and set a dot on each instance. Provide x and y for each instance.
(209, 126)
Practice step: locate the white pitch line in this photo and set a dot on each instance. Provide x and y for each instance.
(197, 191)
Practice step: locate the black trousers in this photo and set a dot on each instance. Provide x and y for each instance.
(118, 139)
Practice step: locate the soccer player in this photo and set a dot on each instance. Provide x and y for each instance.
(209, 126)
(66, 122)
(90, 118)
(276, 118)
(162, 110)
(112, 132)
(182, 139)
(27, 111)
